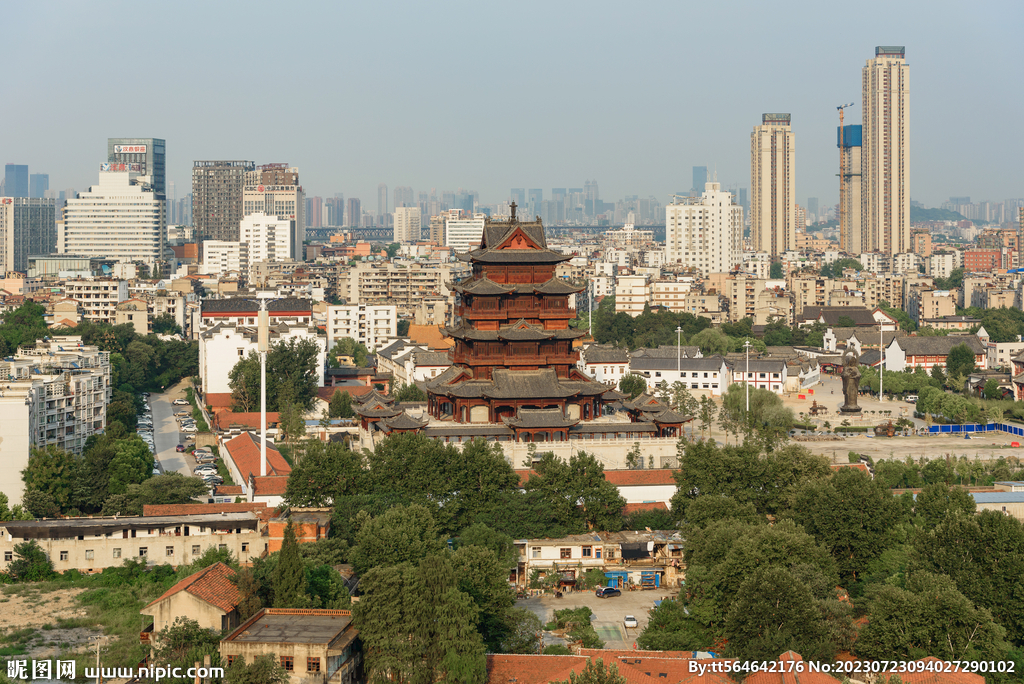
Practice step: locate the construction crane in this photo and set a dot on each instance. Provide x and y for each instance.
(844, 235)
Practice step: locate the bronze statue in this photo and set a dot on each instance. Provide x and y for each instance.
(851, 383)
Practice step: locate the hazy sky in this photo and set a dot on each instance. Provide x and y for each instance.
(488, 96)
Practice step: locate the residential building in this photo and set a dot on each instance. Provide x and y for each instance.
(243, 311)
(604, 362)
(370, 324)
(769, 374)
(217, 188)
(437, 230)
(268, 238)
(849, 141)
(701, 375)
(886, 152)
(921, 243)
(925, 304)
(274, 190)
(27, 226)
(54, 394)
(666, 294)
(463, 234)
(119, 218)
(353, 213)
(705, 234)
(133, 312)
(942, 264)
(981, 260)
(221, 257)
(632, 294)
(223, 345)
(403, 284)
(408, 224)
(999, 354)
(313, 646)
(875, 262)
(952, 323)
(928, 352)
(772, 177)
(629, 236)
(906, 262)
(98, 297)
(208, 596)
(94, 543)
(146, 156)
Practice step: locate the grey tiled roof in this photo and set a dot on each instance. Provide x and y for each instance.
(939, 345)
(646, 363)
(605, 353)
(540, 418)
(246, 305)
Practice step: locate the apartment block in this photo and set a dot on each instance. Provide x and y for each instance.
(705, 234)
(922, 304)
(27, 226)
(217, 188)
(408, 224)
(274, 190)
(224, 345)
(397, 283)
(98, 297)
(632, 294)
(371, 325)
(772, 176)
(808, 290)
(942, 264)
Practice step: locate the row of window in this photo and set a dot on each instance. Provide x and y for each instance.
(585, 552)
(90, 554)
(288, 663)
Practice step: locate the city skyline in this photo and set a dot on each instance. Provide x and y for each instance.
(497, 129)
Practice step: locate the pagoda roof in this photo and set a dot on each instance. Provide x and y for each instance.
(377, 410)
(668, 416)
(587, 388)
(404, 421)
(497, 232)
(373, 396)
(483, 286)
(539, 418)
(520, 331)
(447, 375)
(646, 403)
(614, 395)
(556, 286)
(543, 383)
(513, 256)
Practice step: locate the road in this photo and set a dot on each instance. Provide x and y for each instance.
(165, 432)
(609, 613)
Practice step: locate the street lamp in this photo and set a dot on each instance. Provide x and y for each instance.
(262, 347)
(746, 380)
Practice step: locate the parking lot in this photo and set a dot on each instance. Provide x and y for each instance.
(608, 613)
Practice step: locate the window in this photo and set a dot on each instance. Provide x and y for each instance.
(195, 549)
(63, 555)
(597, 552)
(89, 554)
(245, 548)
(169, 551)
(565, 553)
(536, 551)
(587, 551)
(117, 553)
(231, 660)
(312, 664)
(610, 554)
(8, 556)
(288, 663)
(143, 551)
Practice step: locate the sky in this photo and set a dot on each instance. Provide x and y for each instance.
(488, 96)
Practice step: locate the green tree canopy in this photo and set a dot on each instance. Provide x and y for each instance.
(835, 269)
(291, 377)
(346, 346)
(632, 384)
(341, 405)
(768, 420)
(410, 392)
(596, 672)
(960, 361)
(578, 492)
(290, 574)
(51, 471)
(936, 501)
(327, 472)
(402, 534)
(711, 341)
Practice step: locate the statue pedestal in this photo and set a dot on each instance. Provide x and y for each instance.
(850, 410)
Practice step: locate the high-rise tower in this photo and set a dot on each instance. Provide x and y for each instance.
(851, 237)
(147, 157)
(772, 175)
(217, 188)
(885, 203)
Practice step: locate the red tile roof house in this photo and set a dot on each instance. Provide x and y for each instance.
(242, 459)
(637, 667)
(208, 597)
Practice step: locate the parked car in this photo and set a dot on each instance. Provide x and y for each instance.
(182, 414)
(205, 470)
(214, 480)
(145, 394)
(189, 428)
(206, 458)
(607, 592)
(630, 622)
(180, 448)
(180, 402)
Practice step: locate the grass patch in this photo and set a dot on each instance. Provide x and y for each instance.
(13, 651)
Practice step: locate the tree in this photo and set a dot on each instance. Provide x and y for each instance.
(402, 534)
(595, 672)
(704, 510)
(960, 361)
(291, 376)
(51, 471)
(264, 669)
(393, 249)
(124, 413)
(938, 500)
(30, 564)
(248, 586)
(835, 269)
(132, 463)
(992, 390)
(502, 545)
(341, 405)
(578, 492)
(165, 324)
(40, 504)
(185, 637)
(706, 413)
(632, 384)
(523, 630)
(409, 393)
(347, 347)
(327, 472)
(711, 341)
(292, 423)
(290, 574)
(775, 272)
(768, 420)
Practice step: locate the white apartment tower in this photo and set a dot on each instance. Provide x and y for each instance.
(407, 224)
(885, 194)
(772, 177)
(274, 190)
(269, 238)
(119, 218)
(463, 234)
(705, 233)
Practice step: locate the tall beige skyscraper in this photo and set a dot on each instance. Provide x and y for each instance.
(772, 175)
(407, 224)
(885, 155)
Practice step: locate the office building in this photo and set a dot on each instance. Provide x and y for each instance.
(38, 185)
(403, 197)
(885, 193)
(534, 198)
(121, 217)
(848, 139)
(463, 234)
(407, 224)
(27, 226)
(269, 238)
(382, 202)
(149, 154)
(274, 190)
(812, 208)
(217, 198)
(700, 178)
(16, 180)
(353, 213)
(705, 233)
(772, 175)
(518, 195)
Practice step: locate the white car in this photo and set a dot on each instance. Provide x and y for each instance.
(630, 622)
(189, 428)
(202, 469)
(180, 402)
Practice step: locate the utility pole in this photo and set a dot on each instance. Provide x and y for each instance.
(746, 380)
(263, 346)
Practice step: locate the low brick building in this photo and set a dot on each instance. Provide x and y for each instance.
(313, 646)
(209, 597)
(310, 525)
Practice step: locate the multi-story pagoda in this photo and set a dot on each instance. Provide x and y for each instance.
(513, 359)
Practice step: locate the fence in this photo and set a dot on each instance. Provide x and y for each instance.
(1016, 430)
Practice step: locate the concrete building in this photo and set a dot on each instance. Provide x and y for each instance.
(368, 324)
(221, 257)
(885, 165)
(464, 234)
(437, 230)
(146, 156)
(701, 375)
(133, 312)
(849, 142)
(925, 304)
(314, 646)
(927, 352)
(224, 345)
(27, 226)
(408, 224)
(217, 198)
(120, 218)
(208, 596)
(402, 284)
(274, 190)
(92, 544)
(604, 362)
(706, 233)
(268, 238)
(98, 297)
(632, 294)
(772, 177)
(942, 264)
(766, 374)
